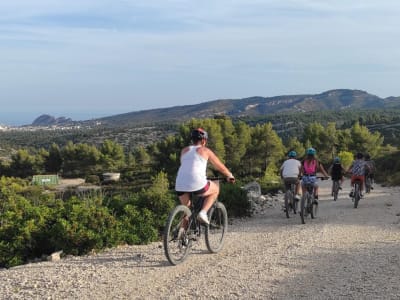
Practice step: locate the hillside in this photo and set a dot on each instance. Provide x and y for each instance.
(337, 100)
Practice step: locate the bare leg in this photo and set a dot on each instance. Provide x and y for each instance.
(210, 196)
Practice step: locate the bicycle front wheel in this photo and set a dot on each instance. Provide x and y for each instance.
(216, 230)
(175, 240)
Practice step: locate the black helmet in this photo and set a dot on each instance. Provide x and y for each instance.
(359, 155)
(198, 134)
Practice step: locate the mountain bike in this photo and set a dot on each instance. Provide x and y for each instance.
(182, 229)
(308, 205)
(335, 189)
(291, 204)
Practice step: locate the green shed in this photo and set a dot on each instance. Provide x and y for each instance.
(45, 179)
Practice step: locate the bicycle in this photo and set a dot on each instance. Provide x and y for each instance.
(308, 205)
(291, 204)
(335, 189)
(356, 193)
(182, 229)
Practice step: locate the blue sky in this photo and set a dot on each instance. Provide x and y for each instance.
(92, 58)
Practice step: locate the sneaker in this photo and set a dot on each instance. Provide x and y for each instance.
(351, 194)
(316, 199)
(297, 197)
(372, 187)
(340, 187)
(202, 216)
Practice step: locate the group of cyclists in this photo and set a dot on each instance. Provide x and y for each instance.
(292, 170)
(192, 177)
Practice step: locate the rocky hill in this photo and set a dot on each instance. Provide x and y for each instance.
(341, 99)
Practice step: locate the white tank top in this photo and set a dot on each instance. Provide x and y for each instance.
(192, 171)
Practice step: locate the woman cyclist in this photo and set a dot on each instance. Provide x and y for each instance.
(310, 166)
(192, 173)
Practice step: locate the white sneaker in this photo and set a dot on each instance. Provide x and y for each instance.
(297, 197)
(202, 216)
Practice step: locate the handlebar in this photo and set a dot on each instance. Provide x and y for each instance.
(219, 178)
(318, 177)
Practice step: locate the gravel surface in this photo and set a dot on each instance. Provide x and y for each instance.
(344, 253)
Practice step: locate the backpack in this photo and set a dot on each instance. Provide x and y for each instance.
(336, 171)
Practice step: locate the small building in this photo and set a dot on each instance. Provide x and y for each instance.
(45, 179)
(108, 177)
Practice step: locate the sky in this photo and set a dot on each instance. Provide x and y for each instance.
(92, 58)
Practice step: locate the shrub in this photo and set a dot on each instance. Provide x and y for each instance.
(235, 200)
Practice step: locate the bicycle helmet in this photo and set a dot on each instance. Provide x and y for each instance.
(198, 134)
(336, 160)
(311, 151)
(359, 155)
(292, 153)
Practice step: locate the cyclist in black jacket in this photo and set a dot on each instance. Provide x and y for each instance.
(336, 171)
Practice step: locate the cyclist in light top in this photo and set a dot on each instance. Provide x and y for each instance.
(290, 171)
(192, 173)
(310, 167)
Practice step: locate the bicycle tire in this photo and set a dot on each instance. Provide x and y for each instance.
(176, 243)
(303, 208)
(367, 184)
(356, 194)
(218, 227)
(287, 203)
(310, 205)
(314, 208)
(335, 190)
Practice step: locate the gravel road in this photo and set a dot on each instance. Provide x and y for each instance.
(344, 253)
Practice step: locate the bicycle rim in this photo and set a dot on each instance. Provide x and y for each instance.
(216, 230)
(175, 239)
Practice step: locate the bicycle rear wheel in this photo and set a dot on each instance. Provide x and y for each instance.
(216, 230)
(335, 189)
(175, 240)
(367, 184)
(357, 194)
(303, 208)
(287, 202)
(313, 207)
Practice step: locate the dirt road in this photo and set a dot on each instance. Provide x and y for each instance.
(344, 253)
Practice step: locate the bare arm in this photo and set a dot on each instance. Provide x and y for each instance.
(322, 169)
(215, 161)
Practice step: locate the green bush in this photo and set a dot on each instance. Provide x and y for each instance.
(235, 200)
